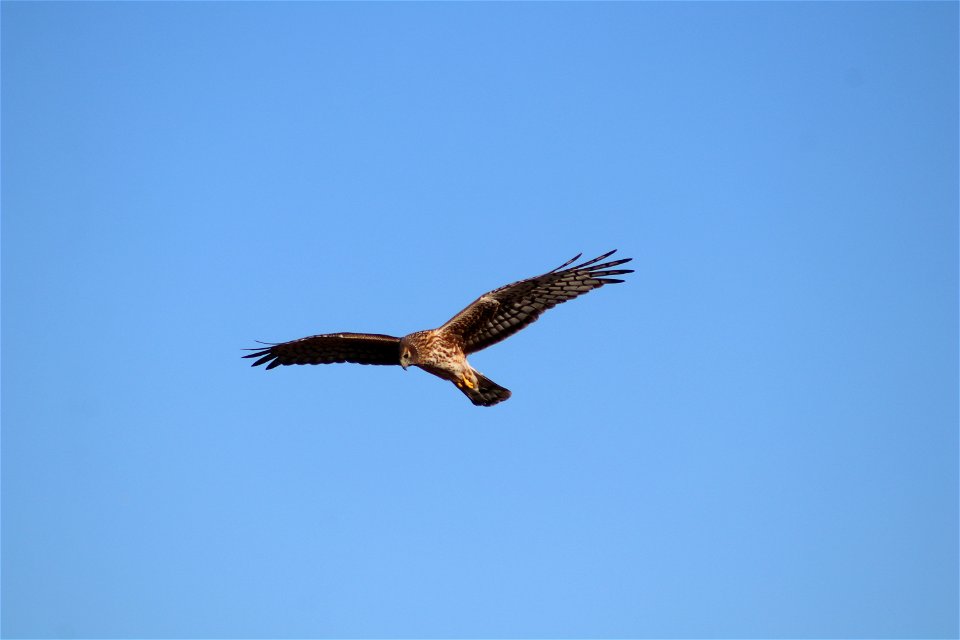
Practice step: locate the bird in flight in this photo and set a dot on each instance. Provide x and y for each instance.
(492, 317)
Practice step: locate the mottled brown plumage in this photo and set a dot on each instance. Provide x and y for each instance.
(492, 317)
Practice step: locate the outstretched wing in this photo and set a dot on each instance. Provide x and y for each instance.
(522, 302)
(362, 348)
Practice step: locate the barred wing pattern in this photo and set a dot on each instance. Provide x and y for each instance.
(522, 302)
(361, 348)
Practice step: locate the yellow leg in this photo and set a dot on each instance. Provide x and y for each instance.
(467, 382)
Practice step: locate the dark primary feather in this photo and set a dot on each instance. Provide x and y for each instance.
(522, 302)
(361, 348)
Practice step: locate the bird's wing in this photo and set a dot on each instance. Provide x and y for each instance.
(362, 348)
(522, 302)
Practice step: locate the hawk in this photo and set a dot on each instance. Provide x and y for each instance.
(492, 317)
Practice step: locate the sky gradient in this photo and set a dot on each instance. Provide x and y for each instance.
(754, 436)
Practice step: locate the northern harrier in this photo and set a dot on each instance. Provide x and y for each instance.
(443, 352)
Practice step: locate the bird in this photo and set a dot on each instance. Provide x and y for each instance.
(494, 316)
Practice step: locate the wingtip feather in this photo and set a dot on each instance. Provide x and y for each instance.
(567, 263)
(265, 358)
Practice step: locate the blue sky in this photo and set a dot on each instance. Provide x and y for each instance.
(755, 436)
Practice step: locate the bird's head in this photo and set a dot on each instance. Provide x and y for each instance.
(408, 353)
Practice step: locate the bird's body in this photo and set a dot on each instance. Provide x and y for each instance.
(443, 352)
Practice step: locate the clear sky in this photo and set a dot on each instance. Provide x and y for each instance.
(756, 435)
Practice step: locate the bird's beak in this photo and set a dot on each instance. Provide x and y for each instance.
(404, 366)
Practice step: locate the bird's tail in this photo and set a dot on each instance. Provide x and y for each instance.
(487, 393)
